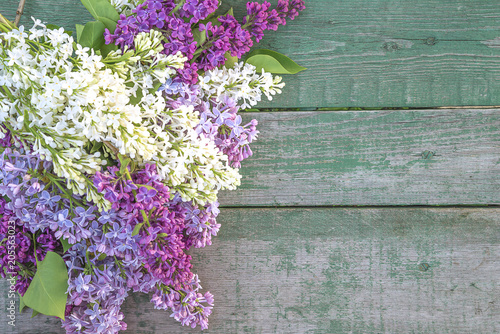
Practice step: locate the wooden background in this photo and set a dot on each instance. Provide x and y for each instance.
(376, 220)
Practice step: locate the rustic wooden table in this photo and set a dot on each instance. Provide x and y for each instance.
(383, 220)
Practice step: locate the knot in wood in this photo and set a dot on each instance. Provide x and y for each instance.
(427, 154)
(423, 266)
(430, 41)
(391, 46)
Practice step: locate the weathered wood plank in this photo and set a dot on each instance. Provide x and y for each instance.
(340, 271)
(384, 157)
(363, 53)
(390, 53)
(64, 13)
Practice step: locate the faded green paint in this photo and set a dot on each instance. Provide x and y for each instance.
(64, 13)
(377, 157)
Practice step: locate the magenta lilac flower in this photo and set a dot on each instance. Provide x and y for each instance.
(226, 35)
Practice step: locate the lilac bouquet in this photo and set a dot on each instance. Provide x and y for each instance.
(114, 146)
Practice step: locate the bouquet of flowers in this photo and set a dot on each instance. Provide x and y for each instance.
(114, 146)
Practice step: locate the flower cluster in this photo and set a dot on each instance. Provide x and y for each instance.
(241, 83)
(259, 18)
(112, 157)
(205, 44)
(30, 208)
(154, 260)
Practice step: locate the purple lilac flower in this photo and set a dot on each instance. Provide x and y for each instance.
(259, 18)
(159, 249)
(220, 122)
(25, 263)
(6, 141)
(226, 35)
(96, 291)
(154, 14)
(198, 10)
(189, 306)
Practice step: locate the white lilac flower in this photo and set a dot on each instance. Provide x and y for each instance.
(241, 83)
(72, 103)
(125, 6)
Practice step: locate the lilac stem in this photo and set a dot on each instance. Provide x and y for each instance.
(19, 12)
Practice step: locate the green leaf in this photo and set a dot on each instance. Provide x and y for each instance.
(137, 228)
(124, 166)
(29, 90)
(134, 100)
(101, 9)
(230, 12)
(47, 292)
(93, 35)
(66, 245)
(105, 13)
(199, 36)
(110, 24)
(273, 62)
(52, 26)
(155, 88)
(22, 305)
(96, 146)
(107, 48)
(124, 162)
(34, 314)
(230, 60)
(79, 30)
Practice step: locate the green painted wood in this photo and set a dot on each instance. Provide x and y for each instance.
(64, 13)
(381, 157)
(340, 271)
(364, 53)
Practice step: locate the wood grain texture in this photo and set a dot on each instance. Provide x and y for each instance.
(335, 270)
(385, 157)
(365, 53)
